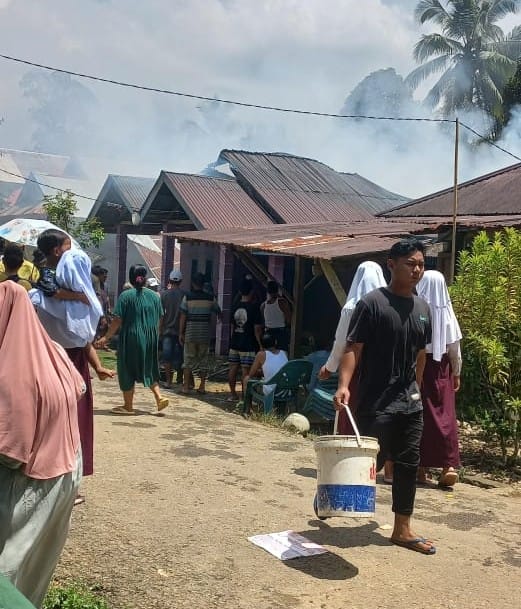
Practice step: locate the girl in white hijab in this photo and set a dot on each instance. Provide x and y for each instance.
(441, 379)
(368, 277)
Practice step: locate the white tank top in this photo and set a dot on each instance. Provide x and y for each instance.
(273, 315)
(273, 363)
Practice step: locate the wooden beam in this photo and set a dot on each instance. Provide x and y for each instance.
(253, 265)
(297, 311)
(334, 281)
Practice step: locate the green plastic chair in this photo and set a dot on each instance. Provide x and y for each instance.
(288, 380)
(320, 399)
(10, 597)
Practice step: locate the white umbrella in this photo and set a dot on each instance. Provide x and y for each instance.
(26, 232)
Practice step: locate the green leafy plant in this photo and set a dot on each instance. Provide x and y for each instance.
(61, 210)
(73, 596)
(487, 300)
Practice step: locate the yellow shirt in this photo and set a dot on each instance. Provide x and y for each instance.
(22, 282)
(27, 271)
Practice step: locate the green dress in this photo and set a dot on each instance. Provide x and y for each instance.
(140, 312)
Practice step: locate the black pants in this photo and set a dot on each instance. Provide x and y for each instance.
(399, 436)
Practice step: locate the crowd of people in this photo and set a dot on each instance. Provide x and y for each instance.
(396, 353)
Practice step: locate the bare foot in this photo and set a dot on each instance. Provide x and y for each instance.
(105, 373)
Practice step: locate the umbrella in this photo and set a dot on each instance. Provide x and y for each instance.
(26, 232)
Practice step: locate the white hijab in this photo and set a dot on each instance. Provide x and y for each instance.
(73, 273)
(368, 277)
(445, 328)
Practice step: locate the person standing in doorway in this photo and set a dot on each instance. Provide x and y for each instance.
(196, 310)
(387, 336)
(276, 313)
(246, 332)
(172, 353)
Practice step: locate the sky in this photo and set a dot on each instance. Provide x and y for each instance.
(306, 54)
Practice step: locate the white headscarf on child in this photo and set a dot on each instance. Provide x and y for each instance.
(73, 273)
(445, 327)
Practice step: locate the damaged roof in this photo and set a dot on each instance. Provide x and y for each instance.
(296, 189)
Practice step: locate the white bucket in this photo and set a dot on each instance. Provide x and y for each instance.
(346, 474)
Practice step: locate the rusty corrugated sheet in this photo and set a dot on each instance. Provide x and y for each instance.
(296, 189)
(337, 240)
(133, 190)
(493, 193)
(216, 202)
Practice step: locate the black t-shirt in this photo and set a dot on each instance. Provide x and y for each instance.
(393, 329)
(245, 316)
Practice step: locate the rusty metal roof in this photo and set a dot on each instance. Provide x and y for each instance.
(335, 239)
(210, 203)
(296, 189)
(490, 194)
(375, 198)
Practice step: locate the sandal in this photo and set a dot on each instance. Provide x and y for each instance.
(449, 478)
(121, 410)
(162, 404)
(416, 545)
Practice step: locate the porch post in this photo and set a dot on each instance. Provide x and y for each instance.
(224, 298)
(167, 254)
(298, 306)
(121, 247)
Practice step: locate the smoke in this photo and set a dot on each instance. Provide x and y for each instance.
(306, 54)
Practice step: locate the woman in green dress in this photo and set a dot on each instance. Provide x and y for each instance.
(137, 314)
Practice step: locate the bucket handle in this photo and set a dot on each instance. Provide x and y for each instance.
(351, 420)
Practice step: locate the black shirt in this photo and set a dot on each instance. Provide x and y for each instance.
(245, 316)
(171, 301)
(393, 329)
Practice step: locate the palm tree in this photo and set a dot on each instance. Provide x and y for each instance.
(474, 55)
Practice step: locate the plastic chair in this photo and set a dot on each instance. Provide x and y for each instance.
(288, 380)
(320, 399)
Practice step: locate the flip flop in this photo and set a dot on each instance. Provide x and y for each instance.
(414, 545)
(162, 404)
(121, 410)
(79, 500)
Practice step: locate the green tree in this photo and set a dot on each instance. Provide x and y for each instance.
(472, 52)
(61, 210)
(511, 98)
(486, 296)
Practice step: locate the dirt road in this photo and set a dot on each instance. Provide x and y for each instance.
(174, 499)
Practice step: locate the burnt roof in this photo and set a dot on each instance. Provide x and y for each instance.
(296, 189)
(490, 194)
(375, 198)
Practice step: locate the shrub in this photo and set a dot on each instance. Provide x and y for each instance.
(486, 296)
(73, 596)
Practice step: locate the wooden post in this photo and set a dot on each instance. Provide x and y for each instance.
(121, 246)
(298, 306)
(224, 298)
(167, 254)
(334, 281)
(455, 207)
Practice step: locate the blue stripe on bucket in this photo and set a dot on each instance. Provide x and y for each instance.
(346, 498)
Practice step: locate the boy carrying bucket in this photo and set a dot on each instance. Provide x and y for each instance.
(386, 340)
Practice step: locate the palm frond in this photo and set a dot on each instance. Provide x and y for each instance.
(489, 92)
(443, 89)
(511, 49)
(502, 8)
(431, 45)
(421, 73)
(431, 10)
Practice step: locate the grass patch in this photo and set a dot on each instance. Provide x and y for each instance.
(108, 359)
(74, 596)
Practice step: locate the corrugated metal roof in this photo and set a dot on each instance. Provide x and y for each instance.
(375, 198)
(38, 162)
(7, 164)
(493, 193)
(296, 189)
(214, 203)
(133, 190)
(335, 239)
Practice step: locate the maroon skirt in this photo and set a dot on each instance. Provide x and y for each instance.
(439, 446)
(78, 357)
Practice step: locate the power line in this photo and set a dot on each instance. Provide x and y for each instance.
(491, 142)
(17, 175)
(223, 101)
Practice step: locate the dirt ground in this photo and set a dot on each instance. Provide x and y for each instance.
(174, 498)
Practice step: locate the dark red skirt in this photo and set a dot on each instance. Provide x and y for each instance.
(78, 357)
(439, 446)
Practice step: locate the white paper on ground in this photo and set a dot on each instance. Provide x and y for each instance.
(287, 544)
